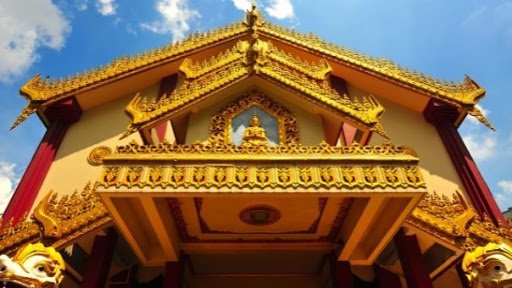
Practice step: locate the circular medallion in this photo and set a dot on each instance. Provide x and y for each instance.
(260, 215)
(97, 154)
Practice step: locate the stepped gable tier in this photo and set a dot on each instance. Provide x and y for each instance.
(262, 59)
(42, 92)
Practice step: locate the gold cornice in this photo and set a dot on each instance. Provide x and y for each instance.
(57, 221)
(338, 177)
(199, 149)
(456, 222)
(323, 166)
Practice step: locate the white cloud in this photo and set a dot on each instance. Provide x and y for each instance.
(176, 16)
(243, 5)
(81, 5)
(485, 112)
(106, 7)
(280, 9)
(24, 30)
(7, 182)
(481, 147)
(506, 185)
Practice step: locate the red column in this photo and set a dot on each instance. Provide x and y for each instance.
(341, 274)
(411, 259)
(174, 273)
(464, 282)
(98, 264)
(60, 115)
(386, 278)
(443, 117)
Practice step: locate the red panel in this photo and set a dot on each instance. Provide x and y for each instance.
(349, 133)
(341, 274)
(174, 273)
(161, 129)
(61, 116)
(387, 279)
(98, 264)
(443, 117)
(411, 259)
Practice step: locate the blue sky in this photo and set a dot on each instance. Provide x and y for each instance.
(446, 39)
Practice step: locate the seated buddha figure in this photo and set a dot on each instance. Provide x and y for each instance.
(254, 135)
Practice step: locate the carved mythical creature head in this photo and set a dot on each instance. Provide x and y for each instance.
(489, 266)
(34, 266)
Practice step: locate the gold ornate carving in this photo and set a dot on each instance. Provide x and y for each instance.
(97, 154)
(57, 221)
(260, 215)
(34, 265)
(456, 222)
(28, 110)
(220, 124)
(475, 112)
(255, 57)
(489, 266)
(320, 176)
(63, 216)
(12, 236)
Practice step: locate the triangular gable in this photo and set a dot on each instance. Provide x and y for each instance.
(42, 92)
(254, 58)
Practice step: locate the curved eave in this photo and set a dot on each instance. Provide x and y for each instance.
(127, 66)
(382, 68)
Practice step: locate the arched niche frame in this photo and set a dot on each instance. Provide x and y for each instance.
(221, 123)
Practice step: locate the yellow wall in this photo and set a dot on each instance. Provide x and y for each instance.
(406, 127)
(100, 126)
(310, 125)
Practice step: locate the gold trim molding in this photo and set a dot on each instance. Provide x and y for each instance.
(202, 150)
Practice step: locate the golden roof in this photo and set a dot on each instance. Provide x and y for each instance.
(41, 92)
(261, 58)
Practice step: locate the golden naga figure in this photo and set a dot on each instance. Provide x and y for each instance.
(33, 266)
(489, 266)
(254, 135)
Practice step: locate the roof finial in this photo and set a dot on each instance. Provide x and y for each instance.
(253, 16)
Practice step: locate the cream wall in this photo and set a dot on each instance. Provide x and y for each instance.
(100, 126)
(310, 125)
(406, 127)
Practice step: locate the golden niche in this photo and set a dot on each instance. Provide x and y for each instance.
(254, 134)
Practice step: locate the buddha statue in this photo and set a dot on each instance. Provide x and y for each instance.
(254, 135)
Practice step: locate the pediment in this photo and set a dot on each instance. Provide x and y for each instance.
(254, 63)
(128, 74)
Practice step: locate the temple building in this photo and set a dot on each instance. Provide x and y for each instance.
(249, 156)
